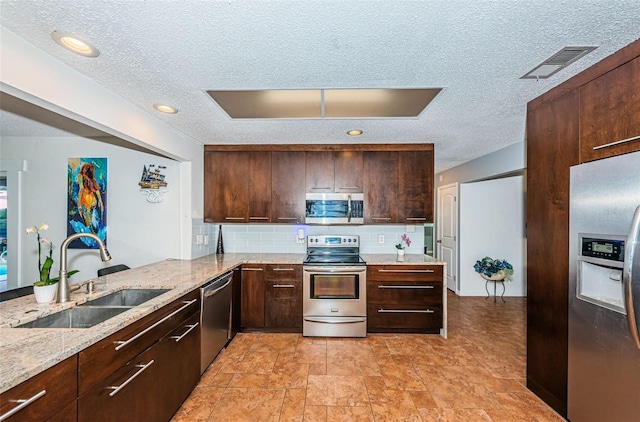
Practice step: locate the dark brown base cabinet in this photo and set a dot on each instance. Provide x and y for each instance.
(404, 299)
(161, 355)
(568, 125)
(60, 386)
(272, 297)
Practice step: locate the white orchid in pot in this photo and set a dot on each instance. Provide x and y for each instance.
(44, 269)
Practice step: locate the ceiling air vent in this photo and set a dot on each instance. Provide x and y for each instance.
(557, 62)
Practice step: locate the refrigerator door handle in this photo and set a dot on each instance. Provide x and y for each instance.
(630, 271)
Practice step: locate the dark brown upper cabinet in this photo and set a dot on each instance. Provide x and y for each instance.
(415, 187)
(609, 113)
(226, 187)
(334, 171)
(380, 187)
(287, 187)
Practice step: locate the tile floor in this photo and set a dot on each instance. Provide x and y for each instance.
(477, 374)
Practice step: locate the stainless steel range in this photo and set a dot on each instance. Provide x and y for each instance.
(334, 286)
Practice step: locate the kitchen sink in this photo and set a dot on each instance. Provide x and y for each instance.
(77, 317)
(126, 297)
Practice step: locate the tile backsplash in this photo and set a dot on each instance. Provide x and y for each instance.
(277, 238)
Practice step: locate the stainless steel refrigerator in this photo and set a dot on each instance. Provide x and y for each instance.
(604, 290)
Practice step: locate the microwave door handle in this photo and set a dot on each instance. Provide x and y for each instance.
(631, 277)
(349, 209)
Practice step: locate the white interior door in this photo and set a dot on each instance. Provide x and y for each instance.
(447, 232)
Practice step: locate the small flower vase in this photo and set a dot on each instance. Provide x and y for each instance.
(45, 294)
(400, 252)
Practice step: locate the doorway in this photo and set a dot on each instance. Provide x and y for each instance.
(447, 232)
(3, 231)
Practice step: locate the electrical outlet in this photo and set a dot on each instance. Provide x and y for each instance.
(199, 239)
(206, 239)
(411, 228)
(381, 238)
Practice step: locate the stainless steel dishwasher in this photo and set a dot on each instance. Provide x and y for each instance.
(215, 318)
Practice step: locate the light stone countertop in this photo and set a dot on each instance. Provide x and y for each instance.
(25, 352)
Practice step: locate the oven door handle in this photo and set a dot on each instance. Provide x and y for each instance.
(342, 320)
(334, 270)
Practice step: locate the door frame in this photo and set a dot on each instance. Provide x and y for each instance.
(439, 225)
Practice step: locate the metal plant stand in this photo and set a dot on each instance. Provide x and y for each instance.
(495, 282)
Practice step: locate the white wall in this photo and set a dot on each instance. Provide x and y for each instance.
(492, 223)
(281, 238)
(139, 232)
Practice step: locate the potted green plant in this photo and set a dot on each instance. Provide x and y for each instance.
(494, 269)
(45, 287)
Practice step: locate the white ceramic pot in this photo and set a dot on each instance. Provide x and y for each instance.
(400, 252)
(499, 276)
(45, 294)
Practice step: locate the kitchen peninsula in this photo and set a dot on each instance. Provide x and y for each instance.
(28, 352)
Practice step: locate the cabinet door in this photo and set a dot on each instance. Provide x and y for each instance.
(287, 187)
(415, 187)
(252, 309)
(380, 186)
(610, 112)
(226, 190)
(348, 171)
(283, 296)
(319, 171)
(260, 187)
(46, 394)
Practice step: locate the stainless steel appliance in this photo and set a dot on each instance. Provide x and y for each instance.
(334, 286)
(215, 318)
(334, 208)
(604, 290)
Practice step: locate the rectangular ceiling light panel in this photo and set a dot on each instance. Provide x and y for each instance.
(557, 62)
(270, 103)
(376, 103)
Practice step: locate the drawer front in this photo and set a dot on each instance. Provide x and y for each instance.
(405, 273)
(109, 354)
(402, 292)
(404, 317)
(283, 272)
(59, 384)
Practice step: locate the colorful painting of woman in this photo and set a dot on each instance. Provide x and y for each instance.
(87, 211)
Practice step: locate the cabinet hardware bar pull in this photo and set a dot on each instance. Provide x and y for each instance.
(252, 269)
(617, 142)
(234, 218)
(23, 403)
(417, 286)
(416, 218)
(117, 389)
(283, 269)
(320, 187)
(191, 327)
(406, 311)
(349, 187)
(258, 218)
(121, 344)
(406, 271)
(381, 218)
(283, 286)
(287, 218)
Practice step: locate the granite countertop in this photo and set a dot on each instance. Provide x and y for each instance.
(28, 351)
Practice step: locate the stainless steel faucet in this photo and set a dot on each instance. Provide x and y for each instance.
(63, 284)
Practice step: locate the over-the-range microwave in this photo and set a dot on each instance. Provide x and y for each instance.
(334, 208)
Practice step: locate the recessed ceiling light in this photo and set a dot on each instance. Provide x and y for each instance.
(75, 44)
(165, 108)
(354, 132)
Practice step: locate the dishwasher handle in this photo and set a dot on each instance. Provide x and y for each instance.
(215, 291)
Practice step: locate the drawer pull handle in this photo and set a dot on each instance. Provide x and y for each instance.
(117, 389)
(252, 269)
(349, 187)
(121, 344)
(409, 286)
(234, 218)
(321, 187)
(617, 143)
(287, 218)
(283, 286)
(381, 218)
(191, 327)
(258, 218)
(407, 271)
(416, 218)
(406, 311)
(22, 404)
(283, 269)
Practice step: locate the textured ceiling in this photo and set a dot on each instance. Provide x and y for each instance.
(173, 51)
